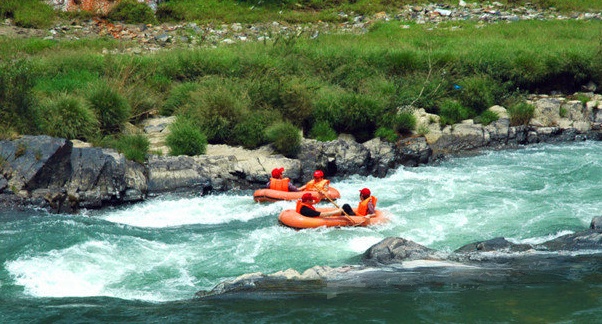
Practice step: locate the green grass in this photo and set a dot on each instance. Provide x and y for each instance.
(337, 83)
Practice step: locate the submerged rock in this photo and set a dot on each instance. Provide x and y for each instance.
(396, 263)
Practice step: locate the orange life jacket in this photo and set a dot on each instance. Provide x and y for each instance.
(279, 184)
(312, 185)
(301, 204)
(362, 208)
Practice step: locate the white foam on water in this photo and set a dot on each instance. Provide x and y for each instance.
(133, 269)
(445, 206)
(540, 239)
(207, 210)
(361, 244)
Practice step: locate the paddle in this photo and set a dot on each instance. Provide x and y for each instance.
(337, 206)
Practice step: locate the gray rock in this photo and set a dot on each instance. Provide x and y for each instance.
(413, 152)
(34, 161)
(395, 250)
(174, 174)
(397, 263)
(495, 244)
(596, 223)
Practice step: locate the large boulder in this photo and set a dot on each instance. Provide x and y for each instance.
(396, 250)
(31, 162)
(399, 263)
(464, 137)
(102, 176)
(49, 171)
(172, 174)
(341, 157)
(547, 111)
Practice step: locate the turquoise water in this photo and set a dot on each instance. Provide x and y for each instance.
(144, 262)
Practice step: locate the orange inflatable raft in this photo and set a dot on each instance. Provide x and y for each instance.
(290, 218)
(270, 195)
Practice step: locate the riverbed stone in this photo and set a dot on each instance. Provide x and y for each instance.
(547, 111)
(395, 250)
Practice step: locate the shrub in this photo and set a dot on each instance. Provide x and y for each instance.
(185, 138)
(134, 147)
(18, 105)
(112, 108)
(250, 131)
(478, 93)
(521, 113)
(132, 12)
(285, 137)
(404, 122)
(348, 112)
(69, 117)
(217, 106)
(177, 97)
(28, 13)
(487, 117)
(142, 100)
(422, 91)
(291, 96)
(296, 97)
(452, 112)
(352, 75)
(422, 130)
(323, 132)
(387, 134)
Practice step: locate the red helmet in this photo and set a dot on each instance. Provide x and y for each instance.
(307, 196)
(318, 174)
(365, 192)
(276, 173)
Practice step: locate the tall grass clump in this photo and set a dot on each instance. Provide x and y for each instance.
(323, 132)
(386, 134)
(297, 100)
(132, 12)
(403, 122)
(487, 117)
(349, 112)
(18, 105)
(134, 147)
(451, 112)
(111, 107)
(250, 131)
(28, 13)
(520, 113)
(291, 96)
(179, 95)
(68, 116)
(421, 90)
(218, 105)
(185, 138)
(285, 137)
(478, 92)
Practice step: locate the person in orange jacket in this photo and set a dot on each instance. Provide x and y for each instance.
(305, 207)
(366, 207)
(277, 182)
(318, 183)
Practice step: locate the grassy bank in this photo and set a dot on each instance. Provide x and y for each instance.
(244, 94)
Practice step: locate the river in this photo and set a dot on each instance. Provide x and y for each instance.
(144, 262)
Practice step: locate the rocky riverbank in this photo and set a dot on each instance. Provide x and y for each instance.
(64, 176)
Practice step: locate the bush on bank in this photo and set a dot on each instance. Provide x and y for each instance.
(322, 86)
(185, 138)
